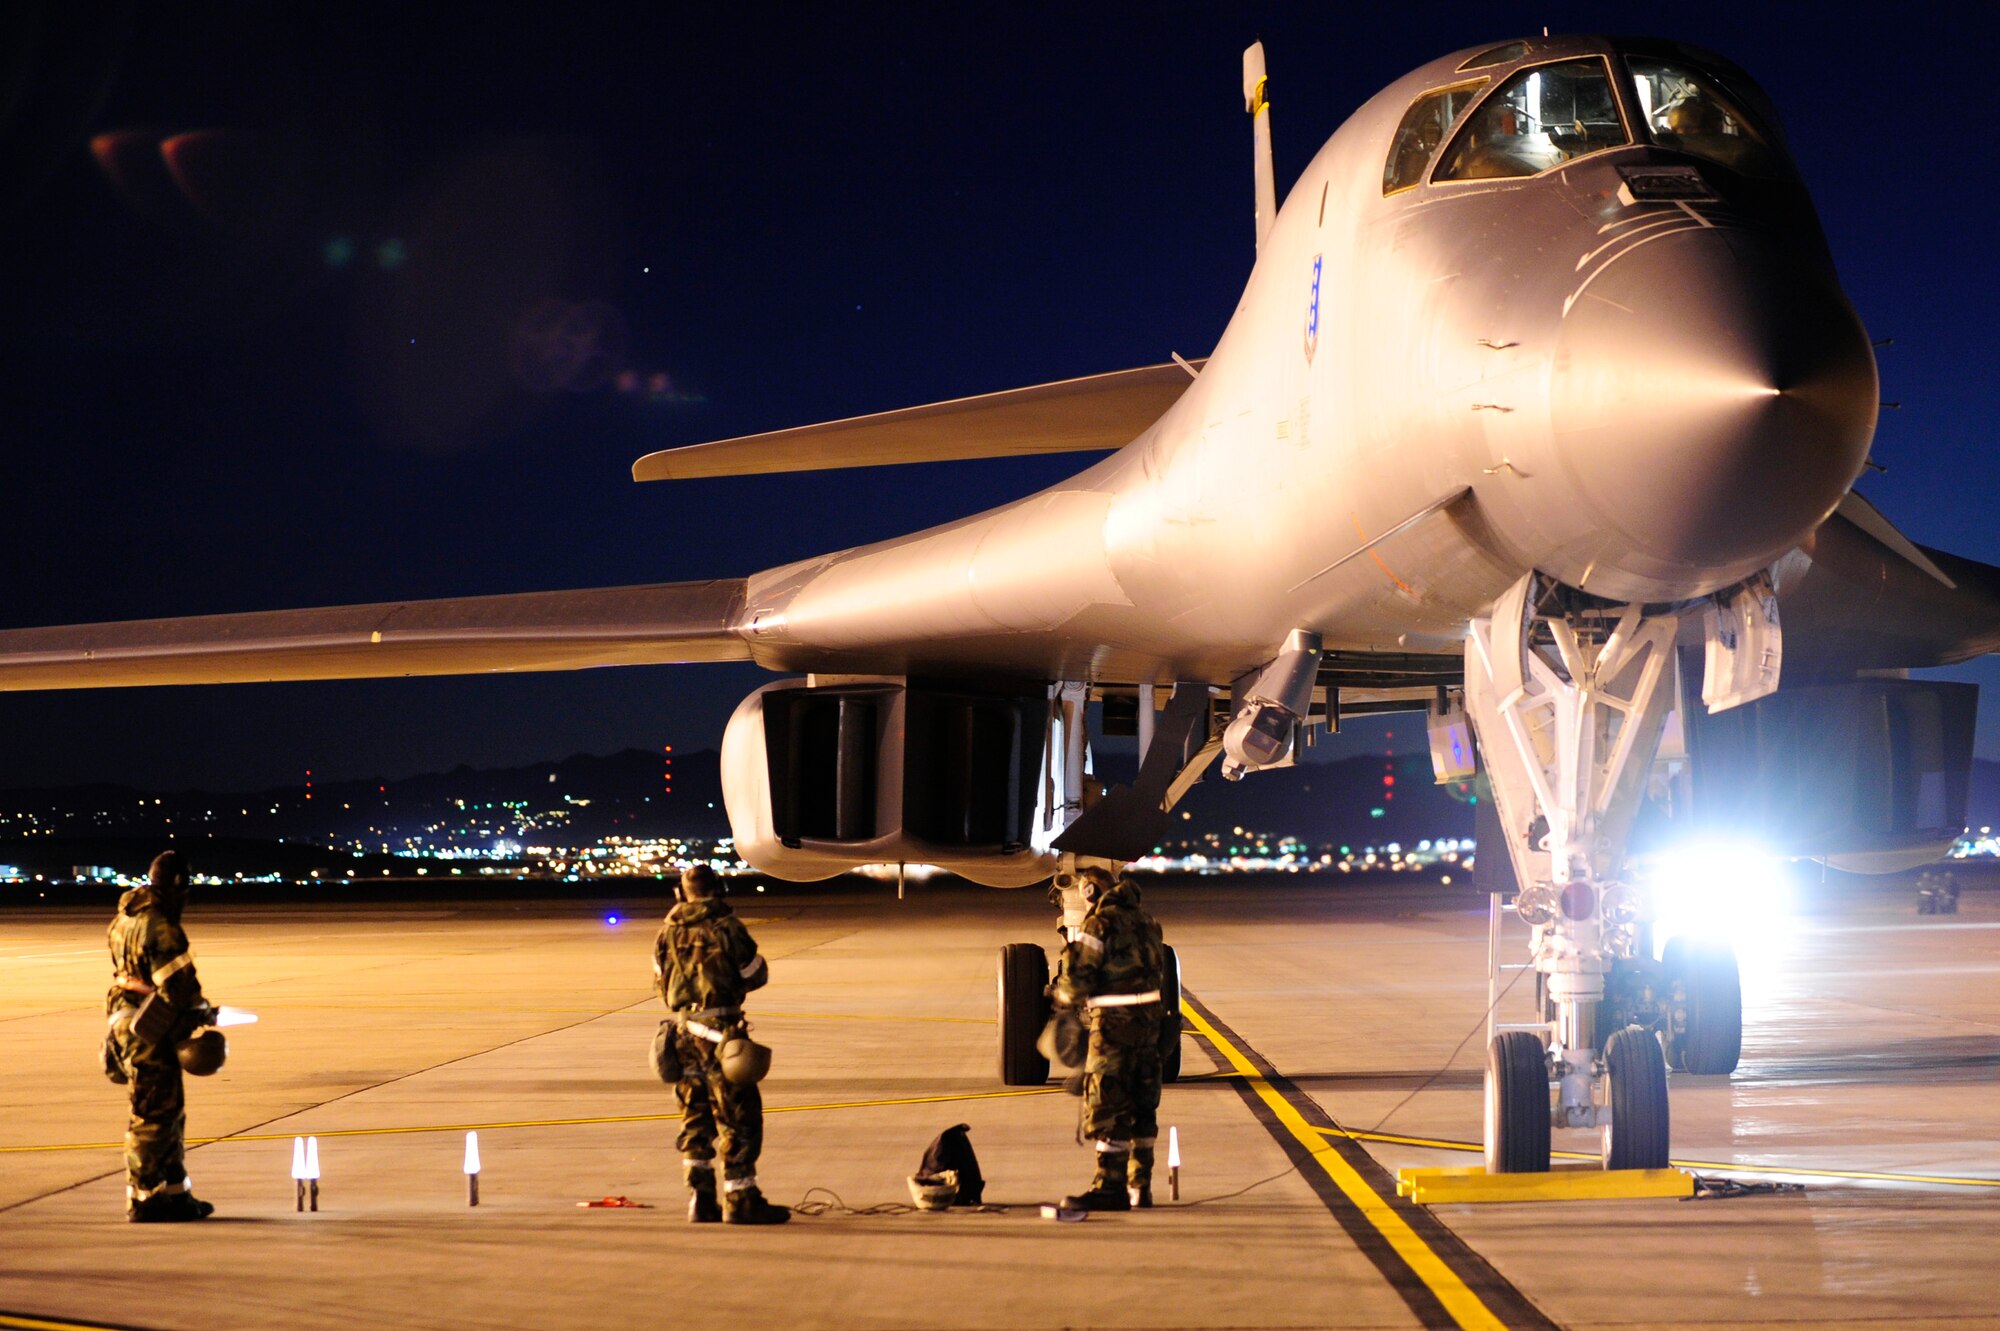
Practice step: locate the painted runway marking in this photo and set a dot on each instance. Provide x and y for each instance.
(548, 1122)
(1442, 1280)
(1711, 1166)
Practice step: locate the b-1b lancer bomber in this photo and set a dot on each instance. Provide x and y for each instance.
(1540, 414)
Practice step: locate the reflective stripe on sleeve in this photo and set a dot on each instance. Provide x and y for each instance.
(756, 964)
(1091, 941)
(1125, 1000)
(172, 968)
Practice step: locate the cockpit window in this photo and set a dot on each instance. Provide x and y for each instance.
(1540, 118)
(1424, 126)
(1498, 55)
(1685, 110)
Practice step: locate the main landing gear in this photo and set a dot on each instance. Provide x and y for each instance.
(1568, 695)
(1025, 1011)
(1176, 747)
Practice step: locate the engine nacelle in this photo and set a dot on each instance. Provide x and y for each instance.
(820, 780)
(1872, 775)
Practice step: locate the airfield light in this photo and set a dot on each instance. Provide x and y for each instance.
(611, 920)
(1718, 892)
(472, 1169)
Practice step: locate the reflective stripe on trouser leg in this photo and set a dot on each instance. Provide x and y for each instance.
(1108, 1146)
(136, 1194)
(739, 1184)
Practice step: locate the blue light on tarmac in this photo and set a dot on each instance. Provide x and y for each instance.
(611, 919)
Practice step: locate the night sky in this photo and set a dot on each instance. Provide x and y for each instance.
(320, 304)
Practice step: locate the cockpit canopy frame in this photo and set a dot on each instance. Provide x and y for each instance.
(1616, 93)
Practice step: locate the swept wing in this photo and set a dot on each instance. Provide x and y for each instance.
(1091, 414)
(563, 630)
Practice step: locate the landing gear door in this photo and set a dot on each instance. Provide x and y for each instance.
(1508, 659)
(1745, 646)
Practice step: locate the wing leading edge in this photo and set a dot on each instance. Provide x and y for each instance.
(659, 624)
(1092, 414)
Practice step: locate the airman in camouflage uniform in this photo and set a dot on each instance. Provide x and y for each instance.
(1112, 970)
(149, 954)
(705, 962)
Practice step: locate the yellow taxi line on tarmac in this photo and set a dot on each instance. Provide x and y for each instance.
(1458, 1300)
(1719, 1166)
(547, 1122)
(390, 1005)
(867, 1016)
(501, 1009)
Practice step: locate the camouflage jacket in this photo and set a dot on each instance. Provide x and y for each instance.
(1117, 950)
(705, 958)
(148, 946)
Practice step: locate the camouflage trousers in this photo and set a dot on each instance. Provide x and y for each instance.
(1121, 1075)
(156, 1134)
(712, 1106)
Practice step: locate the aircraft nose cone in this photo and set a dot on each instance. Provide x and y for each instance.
(1712, 400)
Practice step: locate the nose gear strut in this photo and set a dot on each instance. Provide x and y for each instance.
(1568, 695)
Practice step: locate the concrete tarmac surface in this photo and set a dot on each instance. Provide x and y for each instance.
(1871, 1059)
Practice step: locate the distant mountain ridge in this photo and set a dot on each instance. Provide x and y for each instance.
(1367, 800)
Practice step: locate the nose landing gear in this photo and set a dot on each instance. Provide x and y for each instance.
(1568, 695)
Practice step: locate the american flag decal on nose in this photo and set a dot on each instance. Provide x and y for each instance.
(1312, 309)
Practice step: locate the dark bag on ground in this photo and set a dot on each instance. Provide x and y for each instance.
(953, 1150)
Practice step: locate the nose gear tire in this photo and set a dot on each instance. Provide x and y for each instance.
(1637, 1073)
(1170, 1018)
(1517, 1104)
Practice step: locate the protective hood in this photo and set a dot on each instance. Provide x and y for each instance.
(1121, 895)
(694, 912)
(163, 899)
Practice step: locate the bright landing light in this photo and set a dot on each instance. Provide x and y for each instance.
(1737, 894)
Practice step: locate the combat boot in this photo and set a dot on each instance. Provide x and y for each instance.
(1139, 1175)
(744, 1204)
(166, 1208)
(1107, 1187)
(703, 1209)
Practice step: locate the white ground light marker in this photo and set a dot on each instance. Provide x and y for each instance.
(472, 1169)
(299, 1172)
(312, 1173)
(1174, 1164)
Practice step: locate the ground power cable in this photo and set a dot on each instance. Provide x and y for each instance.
(1450, 1058)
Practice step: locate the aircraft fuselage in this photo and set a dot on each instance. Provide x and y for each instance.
(1646, 398)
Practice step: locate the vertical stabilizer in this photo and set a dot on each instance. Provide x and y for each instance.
(1254, 102)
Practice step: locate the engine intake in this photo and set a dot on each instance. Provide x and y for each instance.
(820, 780)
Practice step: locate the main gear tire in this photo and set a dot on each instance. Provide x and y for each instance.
(1170, 1018)
(1517, 1104)
(1024, 1010)
(1636, 1137)
(1712, 986)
